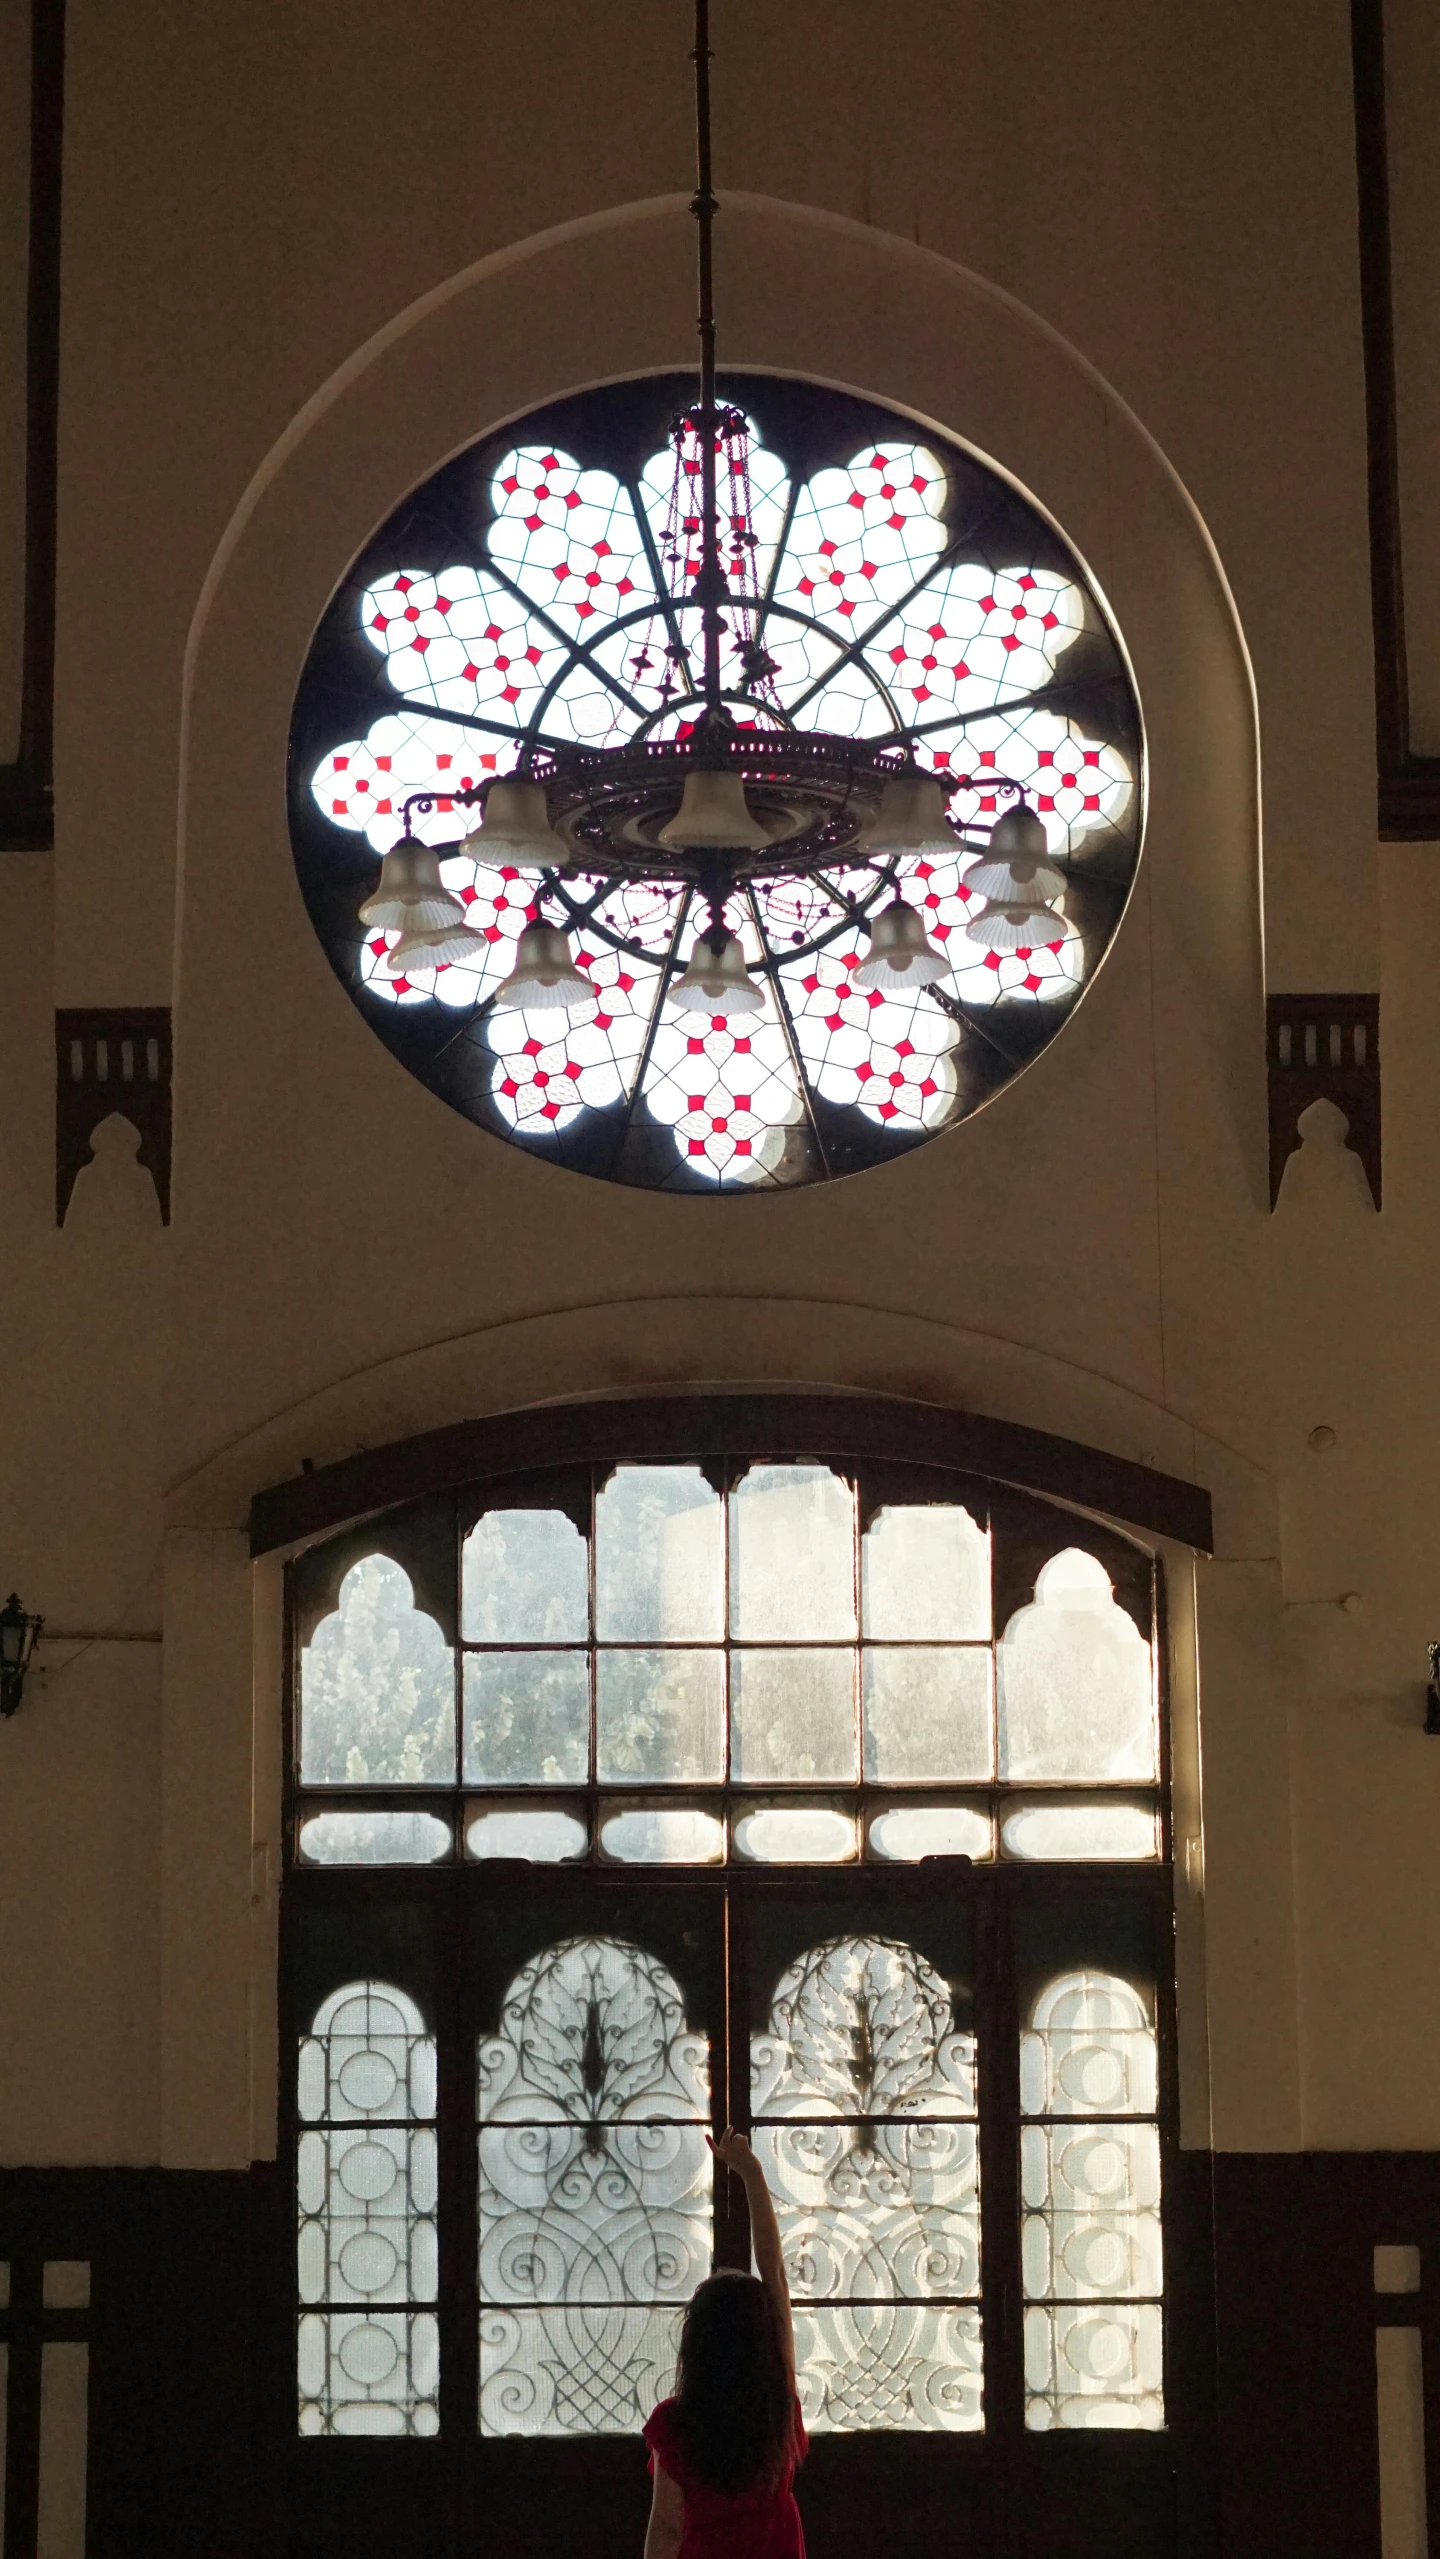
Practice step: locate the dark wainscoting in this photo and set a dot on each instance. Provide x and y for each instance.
(190, 2452)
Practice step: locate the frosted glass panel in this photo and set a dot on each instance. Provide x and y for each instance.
(574, 2368)
(1075, 1693)
(1093, 2365)
(367, 2215)
(931, 1830)
(547, 1836)
(1081, 1831)
(927, 1713)
(377, 1688)
(663, 1835)
(525, 1580)
(792, 1566)
(367, 2058)
(660, 1716)
(374, 1839)
(795, 1834)
(527, 1719)
(594, 2191)
(369, 2373)
(793, 1716)
(925, 1576)
(659, 1557)
(1091, 2224)
(900, 2365)
(1089, 2051)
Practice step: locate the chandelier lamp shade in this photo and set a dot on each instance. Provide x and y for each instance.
(544, 978)
(754, 780)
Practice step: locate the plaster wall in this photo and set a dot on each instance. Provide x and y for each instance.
(304, 261)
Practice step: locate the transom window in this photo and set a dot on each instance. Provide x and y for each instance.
(632, 1799)
(534, 596)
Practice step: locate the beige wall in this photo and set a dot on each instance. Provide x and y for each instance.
(308, 255)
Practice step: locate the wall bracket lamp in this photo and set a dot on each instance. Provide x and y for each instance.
(18, 1630)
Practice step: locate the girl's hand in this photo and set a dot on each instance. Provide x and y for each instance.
(734, 2152)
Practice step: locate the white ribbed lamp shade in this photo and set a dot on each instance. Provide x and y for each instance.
(714, 812)
(1018, 924)
(515, 827)
(1016, 869)
(717, 979)
(446, 947)
(410, 896)
(544, 978)
(901, 958)
(910, 819)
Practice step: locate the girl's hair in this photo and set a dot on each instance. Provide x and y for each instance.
(734, 2397)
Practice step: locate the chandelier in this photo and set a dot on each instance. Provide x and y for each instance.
(731, 801)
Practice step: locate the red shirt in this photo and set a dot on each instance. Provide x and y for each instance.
(761, 2523)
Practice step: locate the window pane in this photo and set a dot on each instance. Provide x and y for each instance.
(527, 1719)
(377, 1687)
(525, 1580)
(925, 1575)
(660, 1716)
(1093, 1830)
(900, 2365)
(369, 2373)
(1088, 2365)
(663, 1835)
(575, 2368)
(366, 2193)
(792, 1566)
(1090, 2191)
(1075, 1693)
(1090, 2050)
(910, 1832)
(367, 2215)
(927, 1713)
(1092, 2210)
(539, 1832)
(595, 2190)
(659, 1557)
(795, 1834)
(374, 1839)
(863, 2096)
(792, 1715)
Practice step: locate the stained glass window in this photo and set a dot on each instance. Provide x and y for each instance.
(367, 2183)
(533, 597)
(863, 2101)
(1090, 2179)
(594, 2191)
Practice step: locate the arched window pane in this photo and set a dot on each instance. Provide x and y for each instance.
(1090, 2186)
(863, 2099)
(368, 2360)
(925, 1575)
(525, 1579)
(377, 1688)
(792, 1566)
(1075, 1690)
(595, 2191)
(659, 1557)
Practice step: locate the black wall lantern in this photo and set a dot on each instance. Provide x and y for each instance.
(17, 1642)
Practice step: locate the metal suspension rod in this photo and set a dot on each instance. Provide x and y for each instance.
(710, 589)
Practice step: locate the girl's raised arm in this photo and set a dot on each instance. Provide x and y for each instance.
(734, 2152)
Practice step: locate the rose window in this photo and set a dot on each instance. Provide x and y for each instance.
(896, 619)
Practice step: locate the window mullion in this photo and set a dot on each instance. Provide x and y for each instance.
(998, 2089)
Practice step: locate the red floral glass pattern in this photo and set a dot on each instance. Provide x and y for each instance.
(861, 607)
